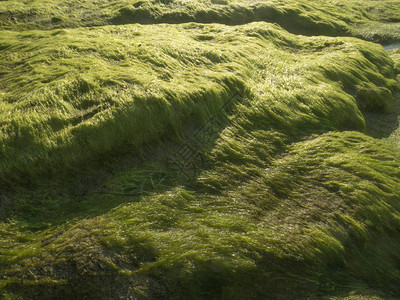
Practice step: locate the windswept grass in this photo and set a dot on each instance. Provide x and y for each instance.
(291, 194)
(70, 96)
(304, 17)
(323, 217)
(383, 33)
(395, 55)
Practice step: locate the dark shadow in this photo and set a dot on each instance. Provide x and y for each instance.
(381, 125)
(291, 19)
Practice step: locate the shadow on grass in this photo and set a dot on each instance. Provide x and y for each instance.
(383, 125)
(290, 19)
(121, 177)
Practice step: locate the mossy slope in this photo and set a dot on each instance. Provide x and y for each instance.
(73, 95)
(280, 208)
(321, 219)
(283, 196)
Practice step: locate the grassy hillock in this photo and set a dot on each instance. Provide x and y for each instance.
(197, 160)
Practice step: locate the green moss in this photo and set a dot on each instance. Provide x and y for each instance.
(281, 194)
(66, 101)
(326, 207)
(324, 17)
(384, 33)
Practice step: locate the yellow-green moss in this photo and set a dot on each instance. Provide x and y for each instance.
(288, 197)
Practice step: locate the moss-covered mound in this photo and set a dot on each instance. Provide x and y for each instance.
(197, 161)
(73, 95)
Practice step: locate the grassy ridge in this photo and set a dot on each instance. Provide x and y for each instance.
(76, 90)
(277, 208)
(366, 18)
(287, 198)
(66, 100)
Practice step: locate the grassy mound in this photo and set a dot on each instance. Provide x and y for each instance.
(70, 96)
(198, 161)
(267, 204)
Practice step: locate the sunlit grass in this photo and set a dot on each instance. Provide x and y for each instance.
(293, 198)
(325, 17)
(72, 95)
